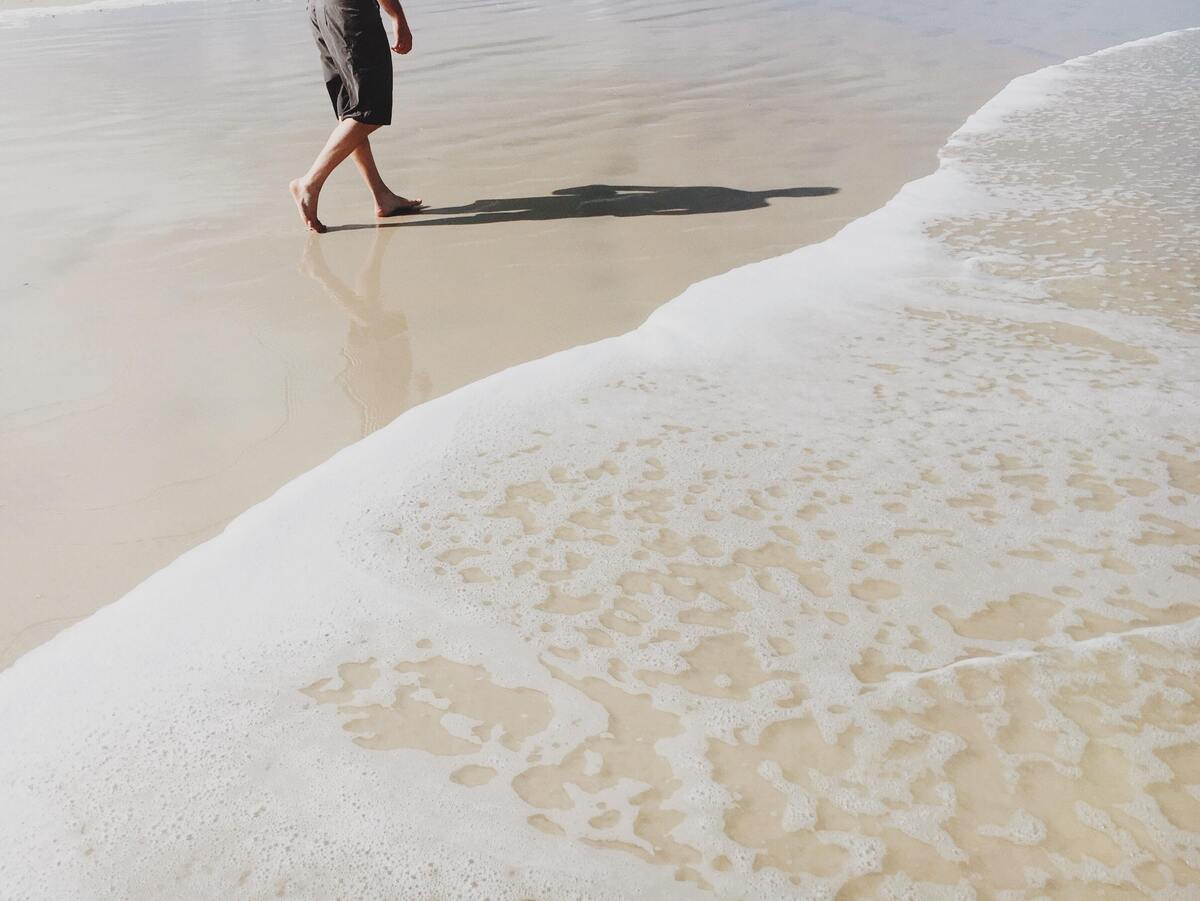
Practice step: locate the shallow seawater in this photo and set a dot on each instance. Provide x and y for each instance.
(867, 571)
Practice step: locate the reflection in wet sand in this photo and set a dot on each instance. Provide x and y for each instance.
(379, 376)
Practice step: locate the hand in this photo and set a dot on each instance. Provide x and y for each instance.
(403, 40)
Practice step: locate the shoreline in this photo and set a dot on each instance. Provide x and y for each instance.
(200, 353)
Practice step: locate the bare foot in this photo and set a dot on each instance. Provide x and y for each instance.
(306, 203)
(395, 205)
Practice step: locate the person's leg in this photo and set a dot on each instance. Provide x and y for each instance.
(387, 203)
(306, 190)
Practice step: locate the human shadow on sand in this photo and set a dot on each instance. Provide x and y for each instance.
(601, 200)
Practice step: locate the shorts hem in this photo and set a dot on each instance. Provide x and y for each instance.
(368, 118)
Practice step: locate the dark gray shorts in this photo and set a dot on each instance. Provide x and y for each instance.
(356, 58)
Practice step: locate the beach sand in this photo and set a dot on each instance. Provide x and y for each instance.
(866, 571)
(177, 348)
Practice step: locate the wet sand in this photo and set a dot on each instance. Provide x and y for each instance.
(177, 348)
(864, 572)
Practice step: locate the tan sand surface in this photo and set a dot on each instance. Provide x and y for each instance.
(175, 347)
(865, 572)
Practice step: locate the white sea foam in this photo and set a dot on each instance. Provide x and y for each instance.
(871, 568)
